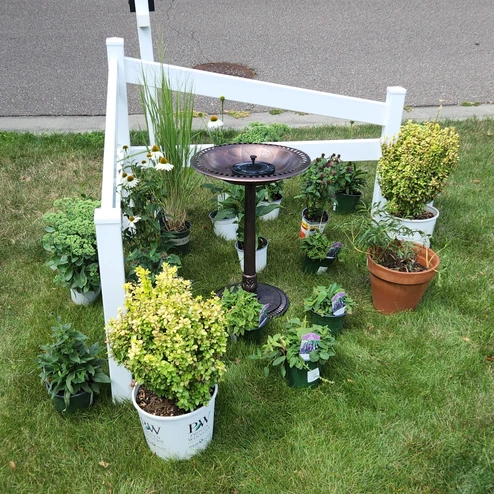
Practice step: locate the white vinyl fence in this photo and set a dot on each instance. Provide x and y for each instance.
(124, 70)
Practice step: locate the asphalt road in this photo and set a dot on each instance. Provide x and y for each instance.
(53, 53)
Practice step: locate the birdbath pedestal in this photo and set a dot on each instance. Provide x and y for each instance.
(251, 165)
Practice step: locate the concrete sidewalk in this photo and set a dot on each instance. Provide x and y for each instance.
(50, 124)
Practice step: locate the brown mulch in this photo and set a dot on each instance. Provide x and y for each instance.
(391, 261)
(151, 403)
(425, 215)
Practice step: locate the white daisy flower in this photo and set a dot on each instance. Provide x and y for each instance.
(156, 154)
(214, 123)
(164, 166)
(130, 181)
(131, 223)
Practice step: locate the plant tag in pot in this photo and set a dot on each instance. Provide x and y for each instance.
(334, 250)
(338, 304)
(310, 342)
(263, 315)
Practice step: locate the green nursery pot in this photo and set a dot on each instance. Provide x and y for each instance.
(311, 266)
(302, 378)
(180, 240)
(346, 203)
(333, 323)
(77, 402)
(255, 335)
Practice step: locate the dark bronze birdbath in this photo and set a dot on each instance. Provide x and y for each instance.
(251, 165)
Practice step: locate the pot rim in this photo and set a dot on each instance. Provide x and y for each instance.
(171, 419)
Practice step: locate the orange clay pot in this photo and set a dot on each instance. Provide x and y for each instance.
(394, 291)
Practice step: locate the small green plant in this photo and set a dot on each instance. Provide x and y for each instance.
(231, 199)
(316, 246)
(329, 300)
(283, 349)
(414, 167)
(258, 132)
(317, 186)
(276, 111)
(348, 178)
(68, 365)
(171, 341)
(272, 191)
(243, 311)
(71, 241)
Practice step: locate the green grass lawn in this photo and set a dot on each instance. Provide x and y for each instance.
(410, 406)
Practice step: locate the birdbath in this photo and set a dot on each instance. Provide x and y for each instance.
(251, 165)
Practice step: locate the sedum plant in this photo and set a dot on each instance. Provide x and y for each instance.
(171, 341)
(283, 349)
(68, 365)
(71, 240)
(414, 167)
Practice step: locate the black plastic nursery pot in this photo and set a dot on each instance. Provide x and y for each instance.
(303, 378)
(180, 240)
(333, 323)
(311, 266)
(77, 402)
(346, 203)
(255, 335)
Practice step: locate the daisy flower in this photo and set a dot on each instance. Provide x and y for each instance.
(214, 123)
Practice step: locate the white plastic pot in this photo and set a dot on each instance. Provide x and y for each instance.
(307, 227)
(226, 228)
(178, 437)
(274, 213)
(261, 257)
(81, 298)
(426, 226)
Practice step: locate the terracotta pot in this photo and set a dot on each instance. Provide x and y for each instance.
(394, 291)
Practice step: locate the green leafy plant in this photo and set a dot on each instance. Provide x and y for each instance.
(68, 365)
(316, 246)
(324, 300)
(170, 114)
(171, 341)
(317, 187)
(283, 349)
(71, 241)
(243, 311)
(415, 165)
(272, 191)
(378, 238)
(231, 202)
(143, 190)
(348, 178)
(257, 132)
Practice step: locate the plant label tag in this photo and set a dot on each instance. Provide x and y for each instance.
(310, 342)
(313, 375)
(338, 304)
(334, 250)
(322, 270)
(263, 315)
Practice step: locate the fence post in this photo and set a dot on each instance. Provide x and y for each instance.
(115, 50)
(110, 257)
(145, 48)
(395, 101)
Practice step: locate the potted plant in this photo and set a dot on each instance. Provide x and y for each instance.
(244, 314)
(317, 192)
(172, 343)
(400, 270)
(273, 194)
(348, 182)
(71, 370)
(413, 169)
(170, 113)
(229, 205)
(143, 189)
(319, 252)
(328, 306)
(299, 351)
(71, 240)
